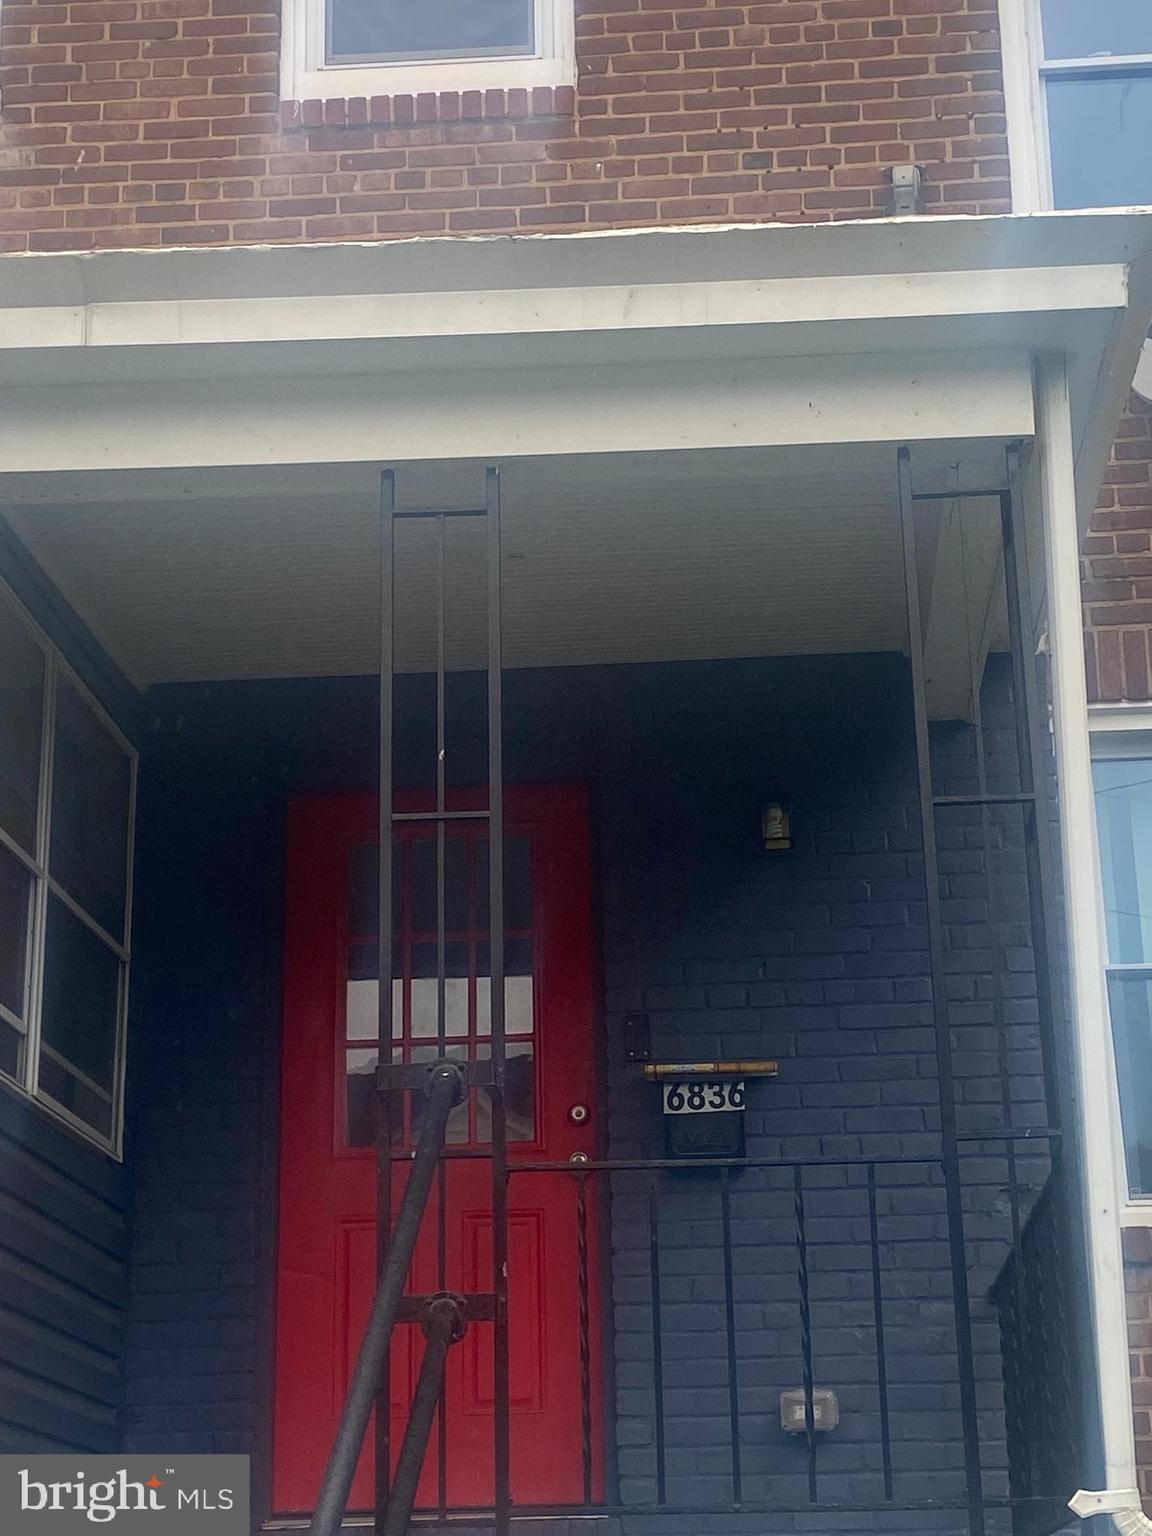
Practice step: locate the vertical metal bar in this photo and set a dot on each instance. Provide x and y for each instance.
(657, 1336)
(999, 1017)
(1020, 1295)
(442, 1409)
(878, 1331)
(975, 681)
(441, 806)
(441, 1006)
(1003, 1066)
(387, 534)
(585, 1334)
(1033, 781)
(730, 1333)
(949, 1147)
(805, 1329)
(500, 1375)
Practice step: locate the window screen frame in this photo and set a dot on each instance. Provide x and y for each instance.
(1027, 72)
(1120, 733)
(307, 75)
(44, 885)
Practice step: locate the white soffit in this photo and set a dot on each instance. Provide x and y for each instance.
(619, 558)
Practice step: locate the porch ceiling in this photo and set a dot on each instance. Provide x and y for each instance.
(608, 558)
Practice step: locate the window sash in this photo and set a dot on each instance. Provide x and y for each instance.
(1130, 1143)
(307, 72)
(1055, 74)
(447, 55)
(1134, 64)
(541, 46)
(45, 885)
(1028, 70)
(28, 863)
(1131, 748)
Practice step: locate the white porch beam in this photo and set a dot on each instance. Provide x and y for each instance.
(510, 413)
(183, 322)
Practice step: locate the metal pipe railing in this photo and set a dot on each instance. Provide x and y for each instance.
(443, 1325)
(445, 1090)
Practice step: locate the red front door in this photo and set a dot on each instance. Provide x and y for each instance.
(328, 1160)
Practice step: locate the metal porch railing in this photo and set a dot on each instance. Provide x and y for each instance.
(444, 1315)
(805, 1474)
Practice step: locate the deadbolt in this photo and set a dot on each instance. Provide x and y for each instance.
(578, 1114)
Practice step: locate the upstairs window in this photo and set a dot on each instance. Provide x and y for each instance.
(400, 30)
(351, 48)
(67, 788)
(1095, 70)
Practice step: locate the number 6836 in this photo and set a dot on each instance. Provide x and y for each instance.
(695, 1097)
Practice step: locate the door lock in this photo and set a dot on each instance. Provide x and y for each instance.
(578, 1114)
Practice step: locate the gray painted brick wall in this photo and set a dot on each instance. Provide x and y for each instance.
(816, 957)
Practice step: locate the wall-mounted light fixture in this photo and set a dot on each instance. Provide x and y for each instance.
(776, 825)
(794, 1410)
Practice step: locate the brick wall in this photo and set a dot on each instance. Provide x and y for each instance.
(1138, 1284)
(157, 122)
(816, 957)
(1117, 567)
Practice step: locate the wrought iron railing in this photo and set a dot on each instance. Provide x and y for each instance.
(847, 1294)
(1044, 1407)
(443, 1314)
(777, 1326)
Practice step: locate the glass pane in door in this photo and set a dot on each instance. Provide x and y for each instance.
(465, 993)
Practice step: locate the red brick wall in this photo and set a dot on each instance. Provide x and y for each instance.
(157, 122)
(1138, 1285)
(1117, 568)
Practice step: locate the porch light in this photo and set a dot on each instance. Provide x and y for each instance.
(794, 1410)
(776, 826)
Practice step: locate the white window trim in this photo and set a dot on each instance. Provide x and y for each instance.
(1119, 731)
(28, 1084)
(1025, 74)
(306, 76)
(1020, 50)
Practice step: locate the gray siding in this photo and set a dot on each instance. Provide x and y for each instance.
(63, 1204)
(63, 1238)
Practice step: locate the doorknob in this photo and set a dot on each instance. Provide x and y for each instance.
(578, 1114)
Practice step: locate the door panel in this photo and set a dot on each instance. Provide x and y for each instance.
(328, 1157)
